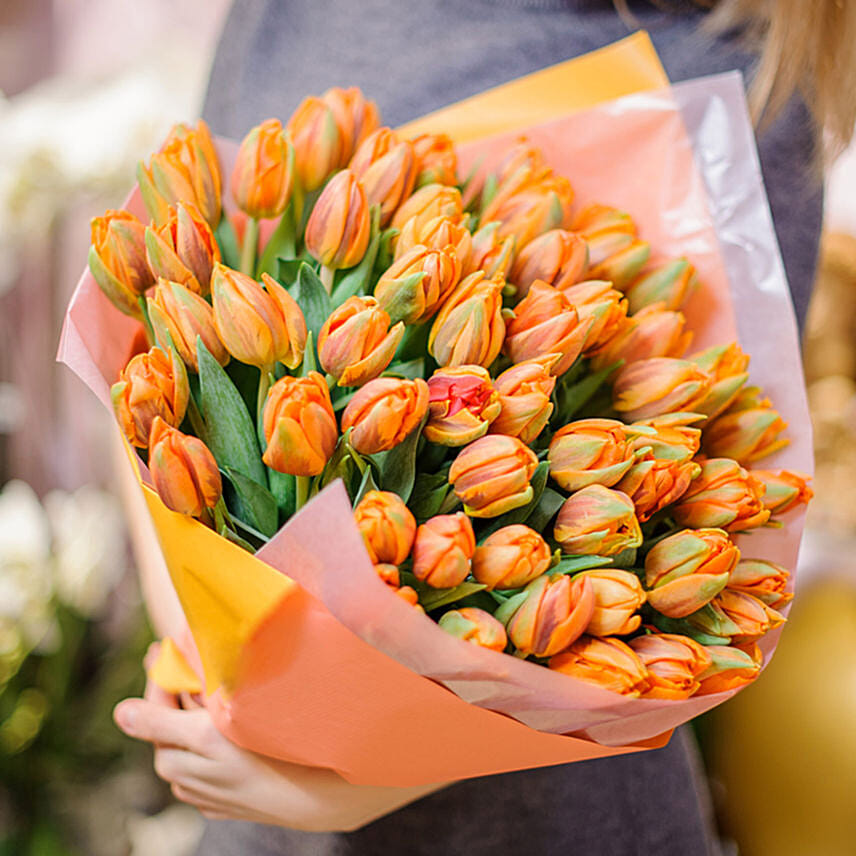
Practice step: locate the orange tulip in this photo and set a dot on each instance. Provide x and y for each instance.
(597, 301)
(383, 412)
(476, 626)
(430, 201)
(356, 343)
(182, 315)
(409, 596)
(596, 221)
(264, 171)
(469, 328)
(436, 234)
(589, 451)
(531, 211)
(615, 254)
(745, 435)
(552, 611)
(462, 404)
(259, 326)
(405, 296)
(117, 259)
(389, 574)
(670, 437)
(723, 495)
(443, 549)
(654, 483)
(608, 663)
(386, 168)
(557, 257)
(299, 425)
(730, 668)
(183, 250)
(544, 323)
(618, 595)
(318, 143)
(670, 283)
(688, 569)
(387, 526)
(436, 160)
(764, 580)
(783, 490)
(338, 230)
(726, 365)
(490, 253)
(151, 385)
(660, 385)
(652, 332)
(186, 169)
(492, 475)
(183, 469)
(524, 395)
(621, 267)
(356, 118)
(597, 521)
(511, 557)
(674, 663)
(752, 616)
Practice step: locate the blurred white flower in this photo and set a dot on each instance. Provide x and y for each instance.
(175, 830)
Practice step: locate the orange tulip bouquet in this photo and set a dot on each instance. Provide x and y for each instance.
(552, 467)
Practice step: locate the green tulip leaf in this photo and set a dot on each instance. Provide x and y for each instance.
(575, 564)
(572, 397)
(398, 465)
(284, 491)
(227, 240)
(366, 484)
(435, 598)
(312, 297)
(429, 492)
(258, 503)
(410, 369)
(523, 513)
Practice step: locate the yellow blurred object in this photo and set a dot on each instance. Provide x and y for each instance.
(786, 747)
(171, 671)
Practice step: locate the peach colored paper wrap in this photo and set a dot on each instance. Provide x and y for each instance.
(325, 666)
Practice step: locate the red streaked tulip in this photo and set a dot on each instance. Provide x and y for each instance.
(511, 557)
(383, 412)
(524, 395)
(475, 625)
(654, 483)
(597, 521)
(387, 526)
(299, 425)
(264, 171)
(317, 140)
(492, 475)
(670, 283)
(730, 668)
(674, 663)
(618, 595)
(557, 257)
(462, 404)
(608, 663)
(784, 490)
(656, 386)
(443, 549)
(590, 451)
(762, 579)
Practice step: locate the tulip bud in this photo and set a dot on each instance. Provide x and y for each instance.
(597, 521)
(752, 616)
(723, 495)
(688, 569)
(596, 220)
(544, 323)
(117, 259)
(618, 595)
(383, 412)
(181, 315)
(730, 668)
(462, 404)
(623, 266)
(356, 344)
(388, 574)
(387, 526)
(416, 284)
(652, 332)
(259, 326)
(660, 385)
(597, 301)
(589, 451)
(674, 663)
(608, 663)
(745, 435)
(356, 118)
(653, 483)
(389, 180)
(511, 557)
(783, 490)
(299, 425)
(670, 283)
(183, 469)
(764, 580)
(490, 253)
(264, 171)
(436, 234)
(443, 549)
(430, 201)
(492, 475)
(186, 169)
(553, 610)
(317, 140)
(151, 385)
(557, 257)
(476, 626)
(183, 250)
(338, 230)
(524, 396)
(726, 365)
(409, 596)
(469, 328)
(436, 159)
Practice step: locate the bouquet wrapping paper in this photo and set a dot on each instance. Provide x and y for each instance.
(302, 652)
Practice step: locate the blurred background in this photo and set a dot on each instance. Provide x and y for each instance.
(87, 88)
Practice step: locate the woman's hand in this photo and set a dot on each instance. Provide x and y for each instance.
(224, 781)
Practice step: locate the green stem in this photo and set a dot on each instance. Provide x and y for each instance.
(266, 380)
(302, 484)
(327, 277)
(248, 248)
(150, 333)
(281, 243)
(195, 417)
